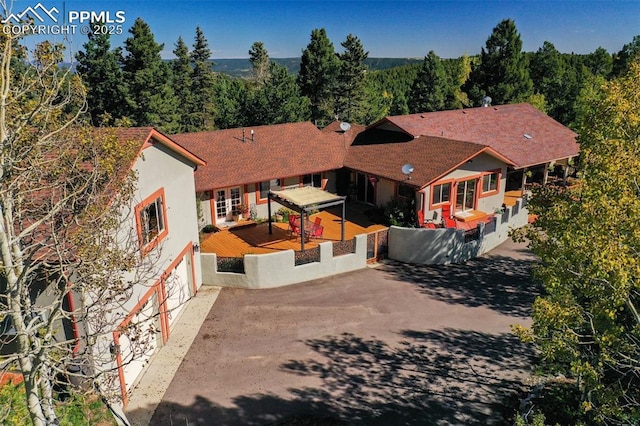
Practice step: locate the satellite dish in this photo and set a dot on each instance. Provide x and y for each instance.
(345, 126)
(486, 101)
(407, 169)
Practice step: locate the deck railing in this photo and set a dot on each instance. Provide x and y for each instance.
(341, 248)
(308, 256)
(231, 264)
(377, 245)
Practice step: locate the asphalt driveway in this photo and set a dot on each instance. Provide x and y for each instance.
(394, 345)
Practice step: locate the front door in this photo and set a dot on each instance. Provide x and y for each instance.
(466, 195)
(226, 200)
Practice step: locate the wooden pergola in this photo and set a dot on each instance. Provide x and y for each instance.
(303, 200)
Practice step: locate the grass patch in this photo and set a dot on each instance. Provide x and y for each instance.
(77, 410)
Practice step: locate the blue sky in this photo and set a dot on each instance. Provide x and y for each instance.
(386, 28)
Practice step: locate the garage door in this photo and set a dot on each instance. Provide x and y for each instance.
(178, 290)
(139, 341)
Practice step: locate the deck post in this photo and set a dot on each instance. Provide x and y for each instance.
(269, 211)
(302, 232)
(342, 223)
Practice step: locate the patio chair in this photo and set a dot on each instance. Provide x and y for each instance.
(448, 220)
(316, 231)
(422, 223)
(294, 225)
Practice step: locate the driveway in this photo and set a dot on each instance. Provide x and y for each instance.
(392, 345)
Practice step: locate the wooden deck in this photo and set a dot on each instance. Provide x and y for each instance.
(236, 242)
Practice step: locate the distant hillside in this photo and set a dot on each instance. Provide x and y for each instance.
(242, 67)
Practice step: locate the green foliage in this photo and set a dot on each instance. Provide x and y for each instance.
(625, 56)
(209, 229)
(259, 58)
(395, 85)
(350, 90)
(76, 410)
(319, 67)
(230, 97)
(502, 73)
(599, 62)
(428, 91)
(152, 100)
(201, 109)
(99, 68)
(401, 212)
(182, 74)
(276, 101)
(587, 325)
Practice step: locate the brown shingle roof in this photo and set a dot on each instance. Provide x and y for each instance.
(501, 127)
(149, 135)
(374, 152)
(272, 152)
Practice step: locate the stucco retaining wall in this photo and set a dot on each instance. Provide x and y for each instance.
(278, 269)
(442, 246)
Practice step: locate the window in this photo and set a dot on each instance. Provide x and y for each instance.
(441, 193)
(267, 185)
(151, 220)
(465, 195)
(490, 182)
(406, 192)
(314, 180)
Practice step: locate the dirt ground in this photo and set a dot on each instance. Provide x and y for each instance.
(393, 345)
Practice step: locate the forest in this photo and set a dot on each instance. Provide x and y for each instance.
(133, 85)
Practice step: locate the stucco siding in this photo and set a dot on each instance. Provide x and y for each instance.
(160, 168)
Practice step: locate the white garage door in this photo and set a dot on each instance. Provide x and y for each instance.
(178, 289)
(139, 342)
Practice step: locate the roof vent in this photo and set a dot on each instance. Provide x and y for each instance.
(486, 101)
(527, 136)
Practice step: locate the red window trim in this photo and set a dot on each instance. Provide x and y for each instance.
(146, 248)
(432, 205)
(482, 194)
(257, 190)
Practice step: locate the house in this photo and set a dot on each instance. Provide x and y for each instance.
(468, 159)
(128, 324)
(531, 139)
(245, 163)
(165, 223)
(469, 177)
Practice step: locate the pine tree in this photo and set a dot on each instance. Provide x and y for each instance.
(626, 55)
(181, 82)
(230, 96)
(502, 73)
(599, 62)
(318, 74)
(428, 92)
(278, 100)
(152, 100)
(100, 71)
(259, 58)
(202, 108)
(351, 80)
